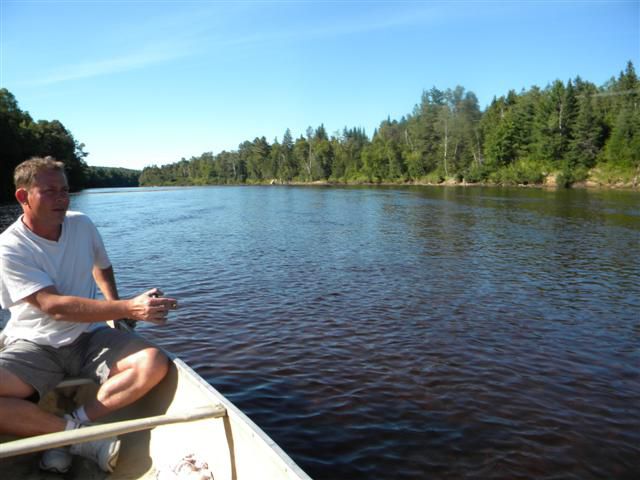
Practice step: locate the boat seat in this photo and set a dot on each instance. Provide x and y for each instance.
(74, 382)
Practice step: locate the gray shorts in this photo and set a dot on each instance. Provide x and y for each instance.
(91, 356)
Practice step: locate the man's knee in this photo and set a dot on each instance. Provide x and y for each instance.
(153, 364)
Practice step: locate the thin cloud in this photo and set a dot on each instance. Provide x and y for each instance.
(138, 44)
(353, 24)
(193, 40)
(108, 66)
(398, 20)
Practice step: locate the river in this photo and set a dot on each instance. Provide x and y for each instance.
(402, 333)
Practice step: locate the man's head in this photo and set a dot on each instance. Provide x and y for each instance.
(43, 192)
(24, 175)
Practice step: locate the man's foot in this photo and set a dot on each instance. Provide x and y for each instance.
(104, 452)
(57, 460)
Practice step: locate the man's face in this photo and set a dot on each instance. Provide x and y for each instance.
(48, 198)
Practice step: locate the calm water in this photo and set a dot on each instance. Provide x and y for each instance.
(403, 333)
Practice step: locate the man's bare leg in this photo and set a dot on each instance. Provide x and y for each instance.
(129, 380)
(19, 416)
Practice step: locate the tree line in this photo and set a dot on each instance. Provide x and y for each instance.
(570, 131)
(110, 177)
(21, 138)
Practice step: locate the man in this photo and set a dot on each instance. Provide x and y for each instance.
(51, 260)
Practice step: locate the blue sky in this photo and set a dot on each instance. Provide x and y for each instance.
(150, 82)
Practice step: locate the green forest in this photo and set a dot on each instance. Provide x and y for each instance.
(568, 133)
(565, 133)
(21, 138)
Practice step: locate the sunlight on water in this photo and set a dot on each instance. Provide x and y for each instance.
(403, 332)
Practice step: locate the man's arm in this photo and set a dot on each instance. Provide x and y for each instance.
(106, 281)
(85, 310)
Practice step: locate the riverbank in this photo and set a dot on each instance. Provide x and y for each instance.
(551, 181)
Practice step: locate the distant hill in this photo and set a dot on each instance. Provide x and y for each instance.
(109, 177)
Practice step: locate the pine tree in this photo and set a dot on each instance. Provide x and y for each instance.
(588, 134)
(500, 134)
(287, 166)
(623, 146)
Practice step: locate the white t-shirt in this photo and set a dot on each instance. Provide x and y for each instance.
(29, 263)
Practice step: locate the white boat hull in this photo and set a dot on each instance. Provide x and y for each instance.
(230, 447)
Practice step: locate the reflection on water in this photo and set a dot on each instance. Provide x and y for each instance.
(403, 332)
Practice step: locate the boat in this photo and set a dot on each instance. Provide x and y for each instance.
(182, 429)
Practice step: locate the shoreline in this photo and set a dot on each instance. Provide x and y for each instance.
(583, 185)
(548, 185)
(594, 186)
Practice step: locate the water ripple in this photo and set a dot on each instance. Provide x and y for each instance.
(404, 333)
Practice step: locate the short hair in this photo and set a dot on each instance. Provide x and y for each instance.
(24, 174)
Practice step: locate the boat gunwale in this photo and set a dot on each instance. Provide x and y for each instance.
(233, 415)
(240, 419)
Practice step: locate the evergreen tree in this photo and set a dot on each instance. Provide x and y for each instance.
(303, 157)
(422, 137)
(347, 161)
(556, 115)
(322, 154)
(288, 169)
(588, 133)
(256, 154)
(623, 146)
(271, 164)
(501, 141)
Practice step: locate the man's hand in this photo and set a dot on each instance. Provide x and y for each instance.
(148, 307)
(151, 306)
